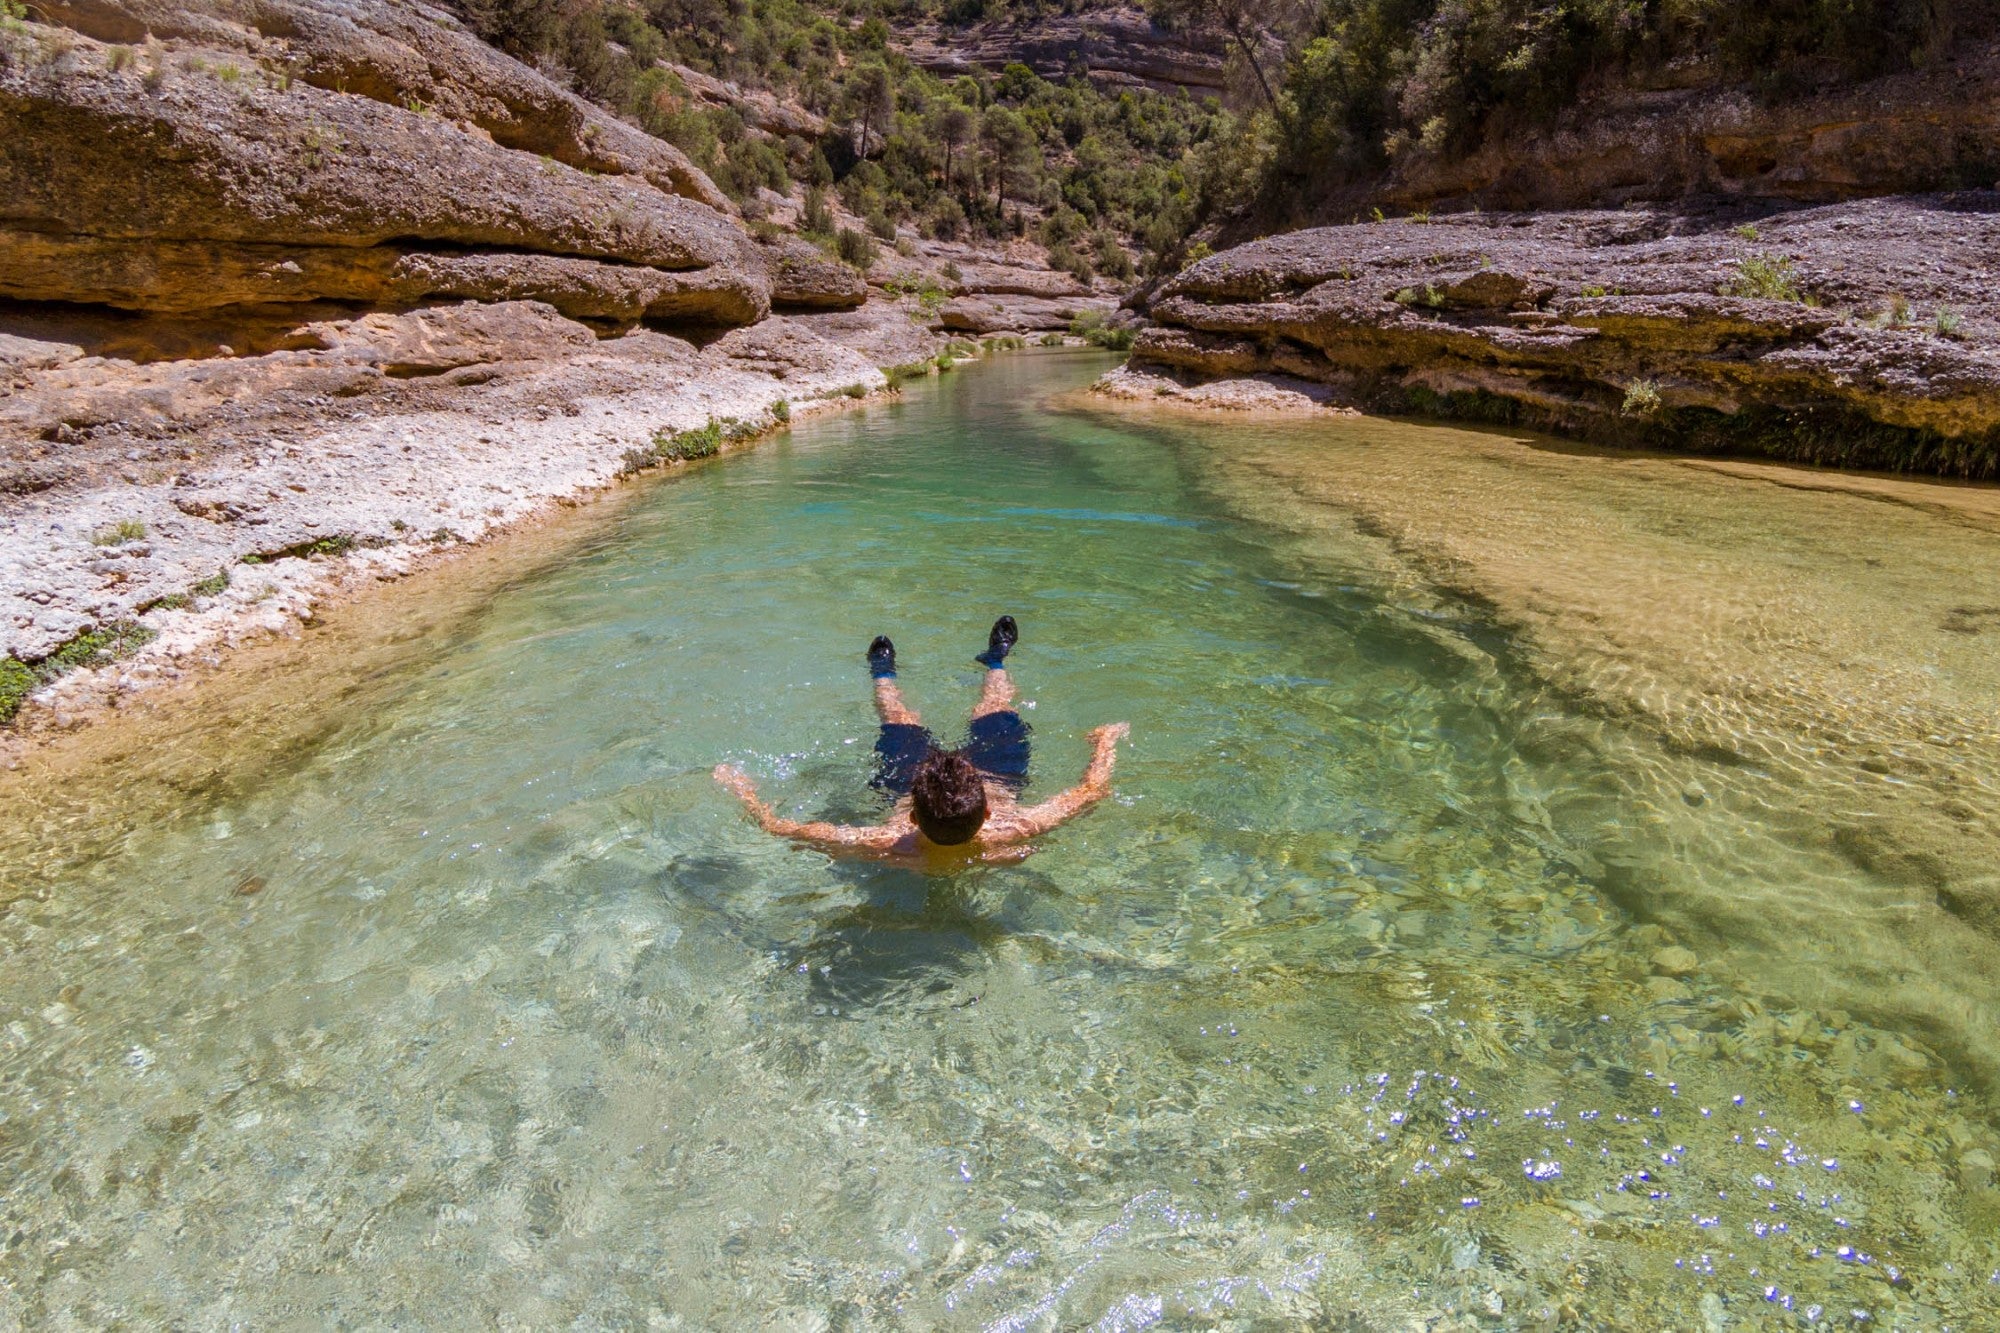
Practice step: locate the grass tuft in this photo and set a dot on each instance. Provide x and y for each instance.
(1765, 278)
(1642, 398)
(124, 530)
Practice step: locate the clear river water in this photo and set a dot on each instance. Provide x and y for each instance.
(1542, 889)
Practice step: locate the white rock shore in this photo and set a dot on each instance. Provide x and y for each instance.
(128, 489)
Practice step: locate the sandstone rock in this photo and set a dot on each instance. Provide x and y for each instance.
(206, 184)
(1117, 46)
(1561, 315)
(402, 55)
(92, 151)
(760, 110)
(1016, 314)
(882, 333)
(804, 278)
(426, 342)
(1910, 132)
(978, 278)
(1674, 961)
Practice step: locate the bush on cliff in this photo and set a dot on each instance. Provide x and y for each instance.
(971, 155)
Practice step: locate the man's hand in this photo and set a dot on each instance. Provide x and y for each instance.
(736, 780)
(1110, 733)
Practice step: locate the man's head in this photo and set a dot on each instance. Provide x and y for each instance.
(947, 798)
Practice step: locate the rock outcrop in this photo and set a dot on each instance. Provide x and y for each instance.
(283, 152)
(124, 489)
(1119, 46)
(1860, 334)
(1933, 128)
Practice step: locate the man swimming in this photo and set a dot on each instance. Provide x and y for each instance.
(950, 804)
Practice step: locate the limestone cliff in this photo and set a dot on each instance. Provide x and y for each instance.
(1114, 46)
(1859, 334)
(288, 151)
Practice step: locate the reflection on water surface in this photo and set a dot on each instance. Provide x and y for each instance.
(1393, 985)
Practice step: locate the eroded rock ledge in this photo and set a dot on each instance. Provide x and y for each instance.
(1857, 334)
(233, 154)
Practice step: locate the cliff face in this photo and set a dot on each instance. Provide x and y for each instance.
(285, 151)
(1114, 47)
(1860, 333)
(1936, 128)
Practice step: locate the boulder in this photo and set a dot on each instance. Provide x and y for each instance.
(804, 278)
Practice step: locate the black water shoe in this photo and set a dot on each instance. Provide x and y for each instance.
(1000, 642)
(881, 657)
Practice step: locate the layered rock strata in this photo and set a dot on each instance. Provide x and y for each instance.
(1937, 127)
(166, 496)
(1859, 333)
(1116, 46)
(282, 152)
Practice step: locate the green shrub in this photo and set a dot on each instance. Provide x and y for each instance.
(856, 248)
(1947, 322)
(213, 585)
(1765, 278)
(1093, 326)
(1642, 398)
(1053, 340)
(124, 530)
(16, 683)
(679, 446)
(1748, 231)
(781, 411)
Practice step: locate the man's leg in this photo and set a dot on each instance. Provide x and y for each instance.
(996, 693)
(889, 705)
(997, 738)
(903, 742)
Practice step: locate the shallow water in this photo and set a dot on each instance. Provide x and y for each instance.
(487, 1006)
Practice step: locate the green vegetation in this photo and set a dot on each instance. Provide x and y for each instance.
(924, 291)
(1091, 172)
(1368, 83)
(1947, 322)
(914, 370)
(1642, 398)
(1765, 278)
(1091, 326)
(1894, 315)
(213, 585)
(781, 411)
(1748, 231)
(98, 647)
(124, 530)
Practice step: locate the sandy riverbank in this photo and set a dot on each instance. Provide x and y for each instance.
(200, 505)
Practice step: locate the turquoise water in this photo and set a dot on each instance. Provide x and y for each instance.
(1321, 1018)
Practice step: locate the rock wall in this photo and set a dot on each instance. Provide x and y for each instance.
(1860, 334)
(176, 159)
(1117, 46)
(1930, 129)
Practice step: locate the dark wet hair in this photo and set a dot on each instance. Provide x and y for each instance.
(947, 798)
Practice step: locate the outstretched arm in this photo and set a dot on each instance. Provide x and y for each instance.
(829, 837)
(1096, 785)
